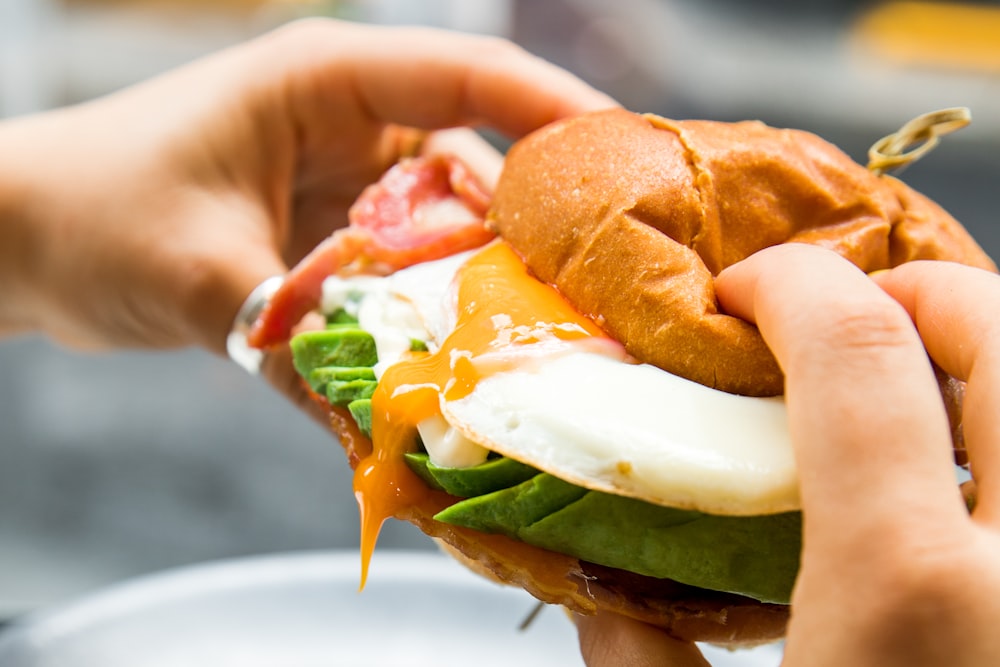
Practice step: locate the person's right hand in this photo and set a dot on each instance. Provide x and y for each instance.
(895, 570)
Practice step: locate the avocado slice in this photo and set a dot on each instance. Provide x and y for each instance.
(340, 346)
(487, 477)
(340, 317)
(344, 392)
(508, 511)
(361, 411)
(321, 378)
(755, 556)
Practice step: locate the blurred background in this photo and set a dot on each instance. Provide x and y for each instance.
(117, 465)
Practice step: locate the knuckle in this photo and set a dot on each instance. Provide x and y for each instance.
(917, 576)
(855, 332)
(867, 324)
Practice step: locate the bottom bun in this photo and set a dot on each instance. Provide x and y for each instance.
(685, 612)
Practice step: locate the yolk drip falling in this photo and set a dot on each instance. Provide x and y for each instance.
(500, 307)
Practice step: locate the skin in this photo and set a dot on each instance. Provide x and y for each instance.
(895, 570)
(145, 218)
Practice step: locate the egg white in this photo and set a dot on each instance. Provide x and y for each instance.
(583, 413)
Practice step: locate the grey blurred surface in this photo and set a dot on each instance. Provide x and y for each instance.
(121, 464)
(419, 609)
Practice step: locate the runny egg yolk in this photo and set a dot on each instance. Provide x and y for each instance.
(503, 313)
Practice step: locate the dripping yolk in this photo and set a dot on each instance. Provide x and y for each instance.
(504, 315)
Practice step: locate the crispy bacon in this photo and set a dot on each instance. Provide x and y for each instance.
(421, 209)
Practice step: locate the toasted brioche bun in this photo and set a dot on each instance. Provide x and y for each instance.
(631, 216)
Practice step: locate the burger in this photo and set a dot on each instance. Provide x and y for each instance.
(541, 378)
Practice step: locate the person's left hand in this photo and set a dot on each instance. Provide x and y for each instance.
(148, 216)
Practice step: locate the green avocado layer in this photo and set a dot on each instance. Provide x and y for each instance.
(755, 556)
(493, 475)
(337, 363)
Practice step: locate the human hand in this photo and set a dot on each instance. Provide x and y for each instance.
(147, 217)
(895, 571)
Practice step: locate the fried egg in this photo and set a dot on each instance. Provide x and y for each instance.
(512, 368)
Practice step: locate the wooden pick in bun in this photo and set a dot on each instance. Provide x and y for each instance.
(629, 217)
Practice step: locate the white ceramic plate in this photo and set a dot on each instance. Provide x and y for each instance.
(304, 610)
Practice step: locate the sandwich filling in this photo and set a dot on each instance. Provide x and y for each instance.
(478, 380)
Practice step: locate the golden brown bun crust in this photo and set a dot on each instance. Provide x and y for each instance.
(632, 216)
(688, 613)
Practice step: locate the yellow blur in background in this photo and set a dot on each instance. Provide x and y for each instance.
(954, 35)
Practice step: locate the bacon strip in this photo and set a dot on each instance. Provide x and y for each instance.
(421, 209)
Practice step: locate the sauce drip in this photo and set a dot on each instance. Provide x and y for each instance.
(502, 310)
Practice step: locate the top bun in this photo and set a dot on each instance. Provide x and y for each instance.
(631, 216)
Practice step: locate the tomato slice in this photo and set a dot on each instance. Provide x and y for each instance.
(422, 209)
(302, 288)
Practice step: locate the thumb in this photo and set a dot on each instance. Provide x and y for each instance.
(610, 640)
